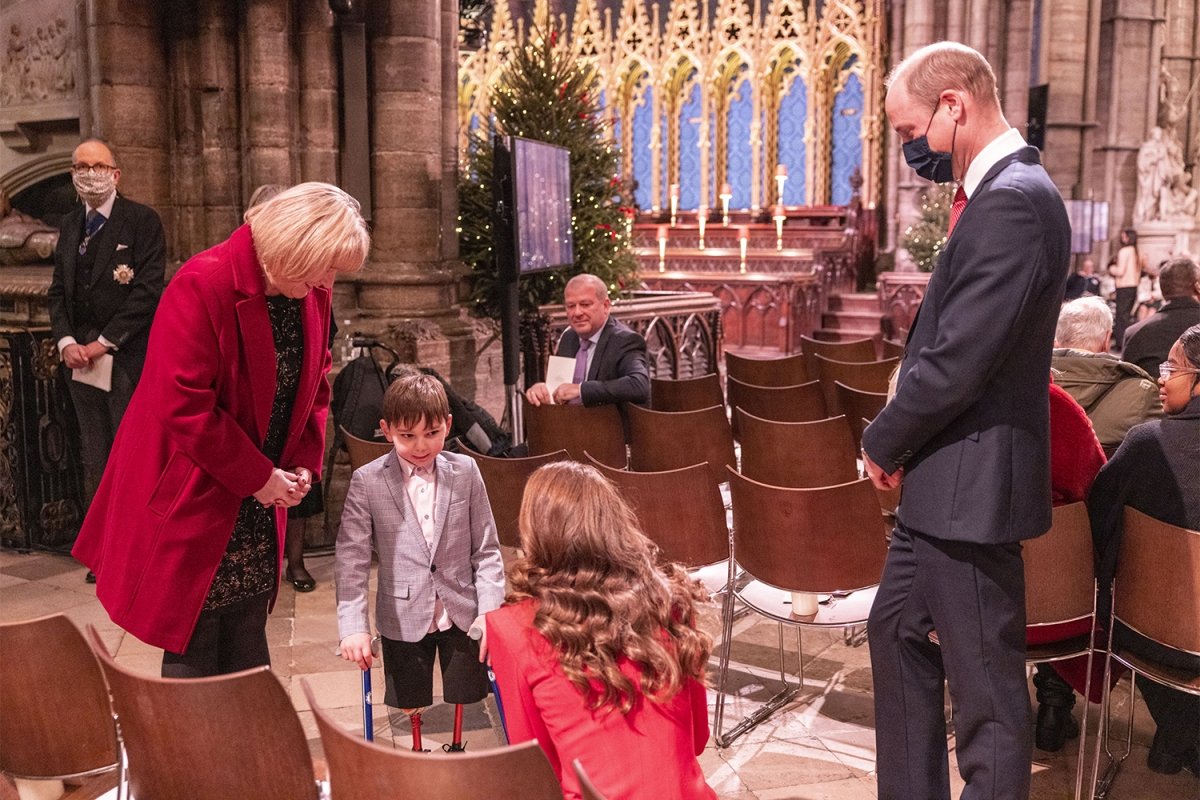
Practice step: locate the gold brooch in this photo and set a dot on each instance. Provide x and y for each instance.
(123, 274)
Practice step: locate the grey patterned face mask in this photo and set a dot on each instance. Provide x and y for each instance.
(94, 186)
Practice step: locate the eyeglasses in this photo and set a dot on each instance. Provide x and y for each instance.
(93, 169)
(1167, 370)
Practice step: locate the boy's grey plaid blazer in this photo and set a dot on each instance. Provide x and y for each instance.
(464, 566)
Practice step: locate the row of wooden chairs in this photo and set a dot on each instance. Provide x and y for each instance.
(77, 714)
(805, 366)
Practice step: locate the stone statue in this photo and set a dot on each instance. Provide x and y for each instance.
(24, 239)
(1152, 167)
(1165, 191)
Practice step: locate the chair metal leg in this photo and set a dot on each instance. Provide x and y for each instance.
(1114, 763)
(800, 653)
(723, 671)
(753, 720)
(1083, 720)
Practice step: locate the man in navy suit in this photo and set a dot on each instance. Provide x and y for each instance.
(967, 434)
(108, 277)
(612, 368)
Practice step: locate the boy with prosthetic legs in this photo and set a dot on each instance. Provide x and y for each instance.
(426, 514)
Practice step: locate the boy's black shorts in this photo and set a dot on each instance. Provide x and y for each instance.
(408, 670)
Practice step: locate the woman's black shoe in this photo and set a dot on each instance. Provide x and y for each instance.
(1054, 726)
(302, 584)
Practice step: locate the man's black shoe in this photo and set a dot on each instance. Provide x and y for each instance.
(90, 577)
(1166, 763)
(1054, 726)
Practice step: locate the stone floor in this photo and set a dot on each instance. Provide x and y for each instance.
(820, 748)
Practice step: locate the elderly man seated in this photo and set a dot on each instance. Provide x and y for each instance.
(610, 357)
(1115, 394)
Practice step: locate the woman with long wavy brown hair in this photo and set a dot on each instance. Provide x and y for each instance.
(597, 656)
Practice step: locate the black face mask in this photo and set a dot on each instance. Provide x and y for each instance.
(930, 164)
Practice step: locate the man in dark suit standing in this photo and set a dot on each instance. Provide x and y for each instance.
(108, 277)
(968, 435)
(610, 365)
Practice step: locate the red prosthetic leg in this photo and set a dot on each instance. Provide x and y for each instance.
(456, 746)
(414, 717)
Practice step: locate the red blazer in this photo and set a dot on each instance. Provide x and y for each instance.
(650, 752)
(187, 452)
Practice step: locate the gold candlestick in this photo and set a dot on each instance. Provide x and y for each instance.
(662, 248)
(743, 241)
(674, 202)
(700, 220)
(726, 195)
(780, 217)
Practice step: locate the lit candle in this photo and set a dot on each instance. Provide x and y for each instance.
(780, 215)
(726, 195)
(743, 241)
(662, 248)
(781, 170)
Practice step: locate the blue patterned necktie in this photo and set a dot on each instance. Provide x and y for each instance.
(93, 223)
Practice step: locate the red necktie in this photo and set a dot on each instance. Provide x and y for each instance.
(956, 209)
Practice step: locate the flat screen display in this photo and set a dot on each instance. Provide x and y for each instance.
(542, 192)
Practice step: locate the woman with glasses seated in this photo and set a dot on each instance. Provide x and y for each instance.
(1157, 471)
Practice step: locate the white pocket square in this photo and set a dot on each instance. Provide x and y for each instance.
(122, 247)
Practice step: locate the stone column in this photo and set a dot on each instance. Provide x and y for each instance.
(128, 103)
(1126, 104)
(318, 101)
(409, 289)
(268, 95)
(1067, 116)
(1015, 74)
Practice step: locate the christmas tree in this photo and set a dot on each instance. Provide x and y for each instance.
(545, 94)
(925, 238)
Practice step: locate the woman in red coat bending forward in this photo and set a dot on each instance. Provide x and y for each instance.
(598, 657)
(224, 433)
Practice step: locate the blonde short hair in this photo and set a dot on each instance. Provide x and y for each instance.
(307, 230)
(1084, 324)
(946, 65)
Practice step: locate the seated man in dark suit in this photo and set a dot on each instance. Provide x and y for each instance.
(1148, 342)
(610, 367)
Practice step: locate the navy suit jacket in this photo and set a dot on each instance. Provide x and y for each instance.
(122, 305)
(970, 422)
(618, 373)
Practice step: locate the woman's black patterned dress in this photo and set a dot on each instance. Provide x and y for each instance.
(248, 566)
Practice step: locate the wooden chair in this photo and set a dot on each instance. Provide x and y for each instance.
(1060, 588)
(854, 350)
(891, 349)
(55, 718)
(589, 790)
(213, 738)
(691, 394)
(504, 479)
(577, 429)
(680, 511)
(860, 407)
(800, 455)
(660, 440)
(866, 376)
(823, 541)
(801, 403)
(785, 371)
(1156, 593)
(362, 770)
(364, 451)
